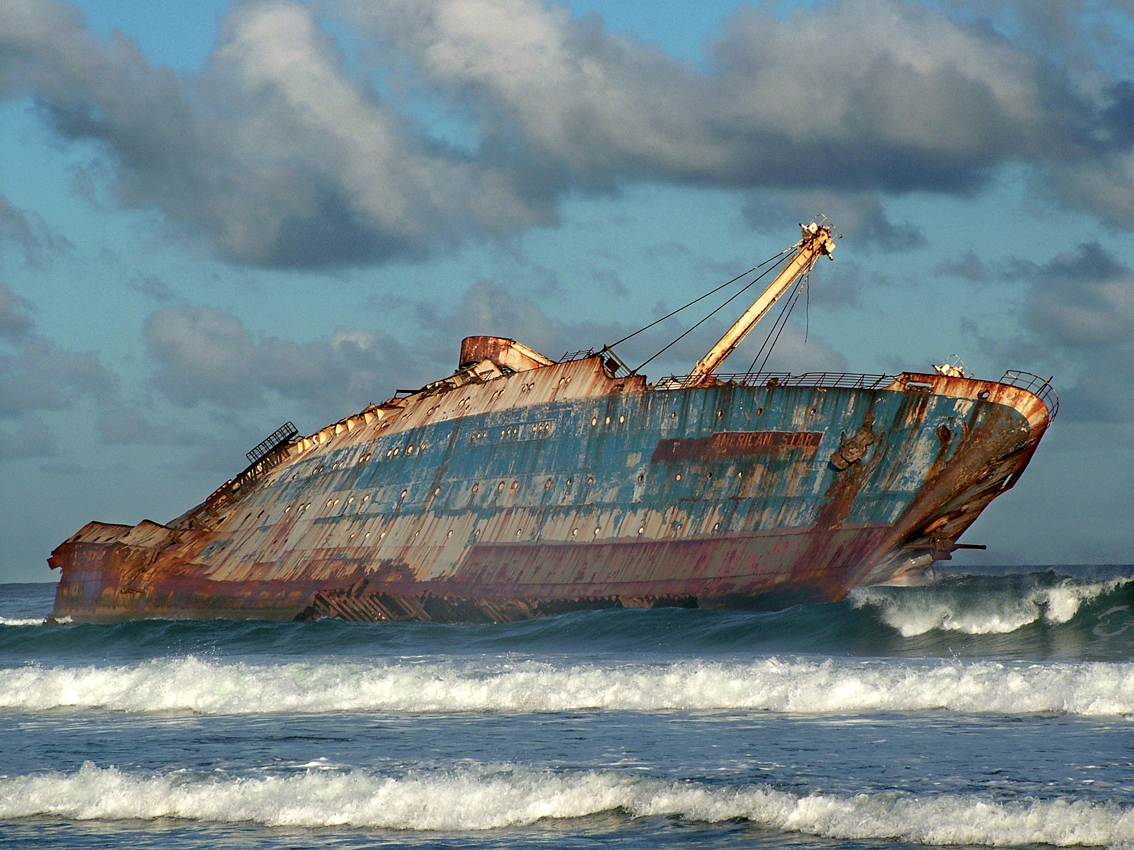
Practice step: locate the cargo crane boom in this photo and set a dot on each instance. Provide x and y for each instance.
(816, 242)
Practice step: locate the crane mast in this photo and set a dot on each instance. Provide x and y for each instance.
(816, 242)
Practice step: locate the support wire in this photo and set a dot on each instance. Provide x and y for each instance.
(779, 258)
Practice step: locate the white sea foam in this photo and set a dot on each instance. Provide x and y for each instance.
(492, 797)
(22, 621)
(921, 611)
(796, 685)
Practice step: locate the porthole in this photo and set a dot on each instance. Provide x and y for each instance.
(500, 486)
(621, 419)
(574, 532)
(759, 411)
(403, 494)
(677, 477)
(476, 488)
(597, 530)
(641, 530)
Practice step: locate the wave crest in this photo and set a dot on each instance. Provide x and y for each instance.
(977, 607)
(489, 797)
(794, 685)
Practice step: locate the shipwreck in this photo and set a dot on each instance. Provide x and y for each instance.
(521, 486)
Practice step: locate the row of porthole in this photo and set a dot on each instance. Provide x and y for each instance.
(476, 533)
(409, 450)
(594, 420)
(505, 433)
(673, 415)
(515, 486)
(333, 502)
(364, 458)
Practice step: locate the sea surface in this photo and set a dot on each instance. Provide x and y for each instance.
(981, 710)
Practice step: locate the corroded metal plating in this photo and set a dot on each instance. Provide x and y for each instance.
(520, 486)
(499, 494)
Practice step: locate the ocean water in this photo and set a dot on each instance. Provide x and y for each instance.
(979, 710)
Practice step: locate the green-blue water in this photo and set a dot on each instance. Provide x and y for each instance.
(980, 710)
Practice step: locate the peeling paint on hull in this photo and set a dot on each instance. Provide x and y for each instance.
(505, 493)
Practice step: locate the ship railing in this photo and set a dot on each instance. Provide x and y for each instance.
(841, 380)
(1041, 388)
(611, 362)
(581, 354)
(261, 459)
(281, 436)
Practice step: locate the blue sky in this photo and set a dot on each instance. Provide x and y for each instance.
(215, 217)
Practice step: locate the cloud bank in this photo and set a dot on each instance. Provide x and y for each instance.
(37, 376)
(205, 355)
(1080, 304)
(472, 119)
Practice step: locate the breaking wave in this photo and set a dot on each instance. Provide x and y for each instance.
(958, 605)
(485, 797)
(791, 685)
(1036, 616)
(21, 621)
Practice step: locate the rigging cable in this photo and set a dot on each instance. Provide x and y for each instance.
(781, 322)
(700, 298)
(732, 298)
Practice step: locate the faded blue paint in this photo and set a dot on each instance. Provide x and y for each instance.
(789, 489)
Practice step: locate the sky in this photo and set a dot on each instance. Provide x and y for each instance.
(216, 217)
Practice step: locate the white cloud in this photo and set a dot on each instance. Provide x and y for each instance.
(283, 153)
(1080, 306)
(206, 355)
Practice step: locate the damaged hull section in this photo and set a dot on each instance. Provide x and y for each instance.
(521, 487)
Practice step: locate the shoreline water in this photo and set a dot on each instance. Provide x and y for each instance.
(977, 710)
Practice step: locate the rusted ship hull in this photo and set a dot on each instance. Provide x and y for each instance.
(521, 488)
